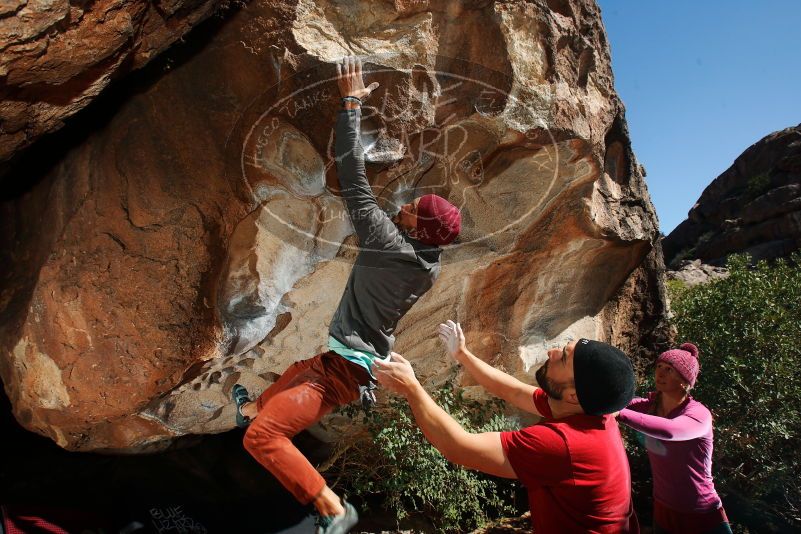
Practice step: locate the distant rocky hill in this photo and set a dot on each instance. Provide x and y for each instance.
(753, 207)
(694, 272)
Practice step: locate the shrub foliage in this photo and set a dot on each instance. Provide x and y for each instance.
(398, 466)
(748, 329)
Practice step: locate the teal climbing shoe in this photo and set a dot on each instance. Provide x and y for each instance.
(240, 396)
(337, 524)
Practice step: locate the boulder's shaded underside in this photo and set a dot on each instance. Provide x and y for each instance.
(195, 238)
(754, 207)
(56, 56)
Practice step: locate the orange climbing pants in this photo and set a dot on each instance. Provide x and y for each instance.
(307, 391)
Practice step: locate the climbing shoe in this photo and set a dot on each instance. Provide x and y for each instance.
(337, 524)
(240, 396)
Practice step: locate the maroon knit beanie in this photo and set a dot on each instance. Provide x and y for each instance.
(438, 221)
(684, 360)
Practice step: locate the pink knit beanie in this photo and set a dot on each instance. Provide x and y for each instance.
(438, 221)
(684, 360)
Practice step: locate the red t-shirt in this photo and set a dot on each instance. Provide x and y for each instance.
(576, 472)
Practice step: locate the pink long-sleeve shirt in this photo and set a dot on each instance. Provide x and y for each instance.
(680, 450)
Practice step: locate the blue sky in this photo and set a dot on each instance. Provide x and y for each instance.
(702, 81)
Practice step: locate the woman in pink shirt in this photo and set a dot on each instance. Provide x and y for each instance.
(678, 436)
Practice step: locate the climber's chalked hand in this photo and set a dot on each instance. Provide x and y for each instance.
(350, 80)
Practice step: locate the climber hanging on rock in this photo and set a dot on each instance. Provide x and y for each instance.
(398, 261)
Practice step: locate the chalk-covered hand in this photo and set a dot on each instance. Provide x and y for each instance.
(452, 338)
(396, 375)
(349, 78)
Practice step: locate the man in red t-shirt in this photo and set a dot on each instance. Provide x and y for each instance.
(572, 463)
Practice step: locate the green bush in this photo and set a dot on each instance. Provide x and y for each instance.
(398, 466)
(757, 185)
(748, 330)
(675, 288)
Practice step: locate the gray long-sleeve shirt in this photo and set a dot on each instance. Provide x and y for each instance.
(392, 269)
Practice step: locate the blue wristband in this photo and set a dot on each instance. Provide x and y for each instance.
(353, 99)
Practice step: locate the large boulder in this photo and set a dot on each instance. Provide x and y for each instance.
(754, 207)
(193, 237)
